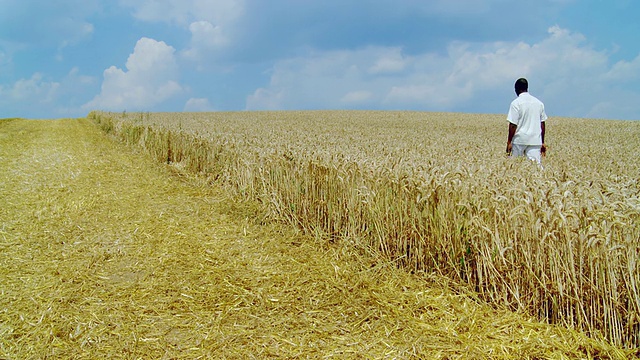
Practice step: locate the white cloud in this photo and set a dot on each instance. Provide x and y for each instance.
(369, 77)
(431, 95)
(198, 104)
(212, 23)
(77, 30)
(330, 79)
(206, 38)
(266, 99)
(624, 71)
(390, 62)
(357, 96)
(205, 34)
(76, 78)
(151, 77)
(34, 89)
(45, 97)
(185, 12)
(563, 68)
(470, 69)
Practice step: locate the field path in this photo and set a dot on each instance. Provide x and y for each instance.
(104, 254)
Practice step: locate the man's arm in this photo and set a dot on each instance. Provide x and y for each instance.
(543, 149)
(512, 132)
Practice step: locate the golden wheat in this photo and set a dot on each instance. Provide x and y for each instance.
(434, 192)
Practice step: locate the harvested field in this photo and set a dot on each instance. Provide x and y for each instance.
(433, 193)
(106, 254)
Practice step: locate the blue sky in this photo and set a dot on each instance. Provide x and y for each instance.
(64, 58)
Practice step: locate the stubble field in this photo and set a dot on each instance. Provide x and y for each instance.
(434, 193)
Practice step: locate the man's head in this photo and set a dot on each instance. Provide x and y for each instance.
(522, 85)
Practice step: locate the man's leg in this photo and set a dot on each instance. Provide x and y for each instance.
(517, 150)
(532, 152)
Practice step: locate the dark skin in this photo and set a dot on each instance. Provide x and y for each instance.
(512, 132)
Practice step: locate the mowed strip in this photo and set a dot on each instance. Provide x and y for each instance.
(104, 254)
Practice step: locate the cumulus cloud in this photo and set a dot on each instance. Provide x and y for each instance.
(185, 12)
(624, 71)
(266, 99)
(198, 104)
(563, 67)
(206, 38)
(210, 22)
(151, 77)
(373, 77)
(46, 97)
(36, 89)
(390, 62)
(331, 79)
(356, 97)
(469, 70)
(205, 34)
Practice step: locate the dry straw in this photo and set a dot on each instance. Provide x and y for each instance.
(432, 192)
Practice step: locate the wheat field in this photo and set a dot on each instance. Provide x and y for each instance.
(434, 193)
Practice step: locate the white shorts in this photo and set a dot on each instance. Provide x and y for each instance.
(532, 152)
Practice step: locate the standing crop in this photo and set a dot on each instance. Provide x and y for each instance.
(433, 192)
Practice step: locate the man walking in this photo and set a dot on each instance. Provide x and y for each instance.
(526, 124)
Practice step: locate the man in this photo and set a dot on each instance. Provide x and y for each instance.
(526, 124)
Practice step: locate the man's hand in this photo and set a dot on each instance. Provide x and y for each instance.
(543, 150)
(512, 133)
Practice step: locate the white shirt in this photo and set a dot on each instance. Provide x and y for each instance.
(527, 112)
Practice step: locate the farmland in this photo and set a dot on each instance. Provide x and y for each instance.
(192, 243)
(433, 193)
